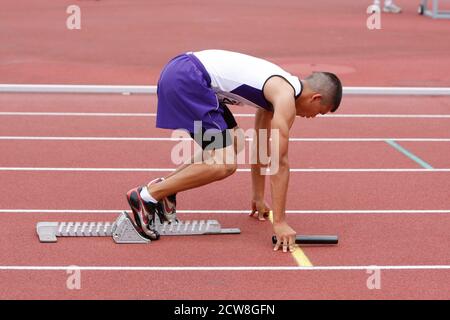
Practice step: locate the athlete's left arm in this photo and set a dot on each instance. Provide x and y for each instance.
(281, 94)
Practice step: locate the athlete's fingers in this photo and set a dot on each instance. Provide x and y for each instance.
(292, 244)
(285, 244)
(261, 216)
(277, 245)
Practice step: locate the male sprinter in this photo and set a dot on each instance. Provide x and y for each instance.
(196, 86)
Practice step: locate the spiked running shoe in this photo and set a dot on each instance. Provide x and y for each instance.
(144, 213)
(168, 206)
(392, 8)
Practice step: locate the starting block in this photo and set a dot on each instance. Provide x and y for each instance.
(123, 231)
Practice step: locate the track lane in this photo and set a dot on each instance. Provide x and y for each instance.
(210, 250)
(37, 102)
(157, 154)
(309, 191)
(364, 240)
(247, 285)
(145, 127)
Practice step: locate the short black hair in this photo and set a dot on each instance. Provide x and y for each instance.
(329, 86)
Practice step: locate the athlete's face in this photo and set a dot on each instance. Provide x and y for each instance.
(312, 106)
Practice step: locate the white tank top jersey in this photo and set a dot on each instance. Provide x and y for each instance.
(239, 78)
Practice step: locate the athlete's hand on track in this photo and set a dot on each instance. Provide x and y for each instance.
(285, 236)
(261, 209)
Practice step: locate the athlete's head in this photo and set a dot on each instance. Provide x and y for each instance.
(322, 93)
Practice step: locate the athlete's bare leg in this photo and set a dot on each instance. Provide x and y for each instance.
(219, 164)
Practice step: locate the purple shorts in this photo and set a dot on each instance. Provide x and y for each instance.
(185, 95)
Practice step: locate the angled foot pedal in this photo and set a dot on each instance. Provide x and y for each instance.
(122, 230)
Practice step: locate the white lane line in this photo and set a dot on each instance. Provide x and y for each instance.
(239, 115)
(369, 115)
(93, 211)
(51, 138)
(34, 138)
(68, 88)
(225, 268)
(152, 89)
(438, 91)
(369, 139)
(77, 114)
(325, 170)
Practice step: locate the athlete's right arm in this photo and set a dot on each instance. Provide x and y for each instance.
(260, 161)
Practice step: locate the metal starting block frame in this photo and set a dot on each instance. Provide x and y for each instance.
(123, 231)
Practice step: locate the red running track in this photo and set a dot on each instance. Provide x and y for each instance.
(305, 128)
(134, 41)
(154, 154)
(133, 52)
(366, 239)
(37, 102)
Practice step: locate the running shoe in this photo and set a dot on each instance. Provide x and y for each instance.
(144, 213)
(168, 206)
(392, 8)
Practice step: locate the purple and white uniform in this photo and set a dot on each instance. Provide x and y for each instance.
(195, 86)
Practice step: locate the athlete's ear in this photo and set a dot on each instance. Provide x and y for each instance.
(316, 97)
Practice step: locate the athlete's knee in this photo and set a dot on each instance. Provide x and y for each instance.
(226, 169)
(230, 168)
(239, 140)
